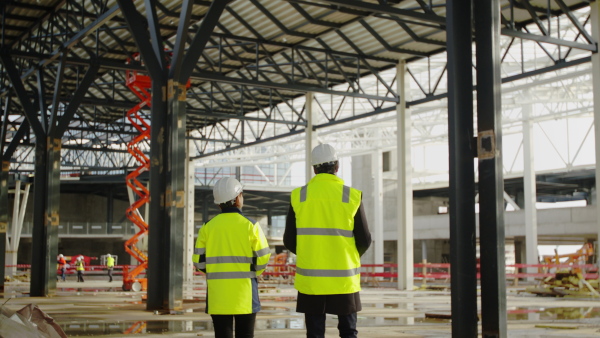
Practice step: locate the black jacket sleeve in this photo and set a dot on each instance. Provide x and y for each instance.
(289, 235)
(362, 235)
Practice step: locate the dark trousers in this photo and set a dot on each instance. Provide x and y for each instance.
(110, 274)
(80, 276)
(244, 325)
(63, 274)
(315, 325)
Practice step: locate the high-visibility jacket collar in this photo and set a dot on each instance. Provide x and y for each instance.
(232, 209)
(326, 177)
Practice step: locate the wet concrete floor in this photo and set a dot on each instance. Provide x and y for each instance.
(101, 309)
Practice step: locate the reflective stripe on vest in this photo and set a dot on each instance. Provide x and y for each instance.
(231, 275)
(303, 194)
(345, 194)
(262, 252)
(324, 232)
(228, 259)
(328, 273)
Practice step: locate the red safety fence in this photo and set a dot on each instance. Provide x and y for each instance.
(441, 271)
(386, 272)
(94, 269)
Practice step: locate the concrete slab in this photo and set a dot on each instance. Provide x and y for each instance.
(101, 309)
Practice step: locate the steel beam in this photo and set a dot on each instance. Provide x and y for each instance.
(137, 26)
(17, 83)
(199, 42)
(592, 47)
(76, 100)
(462, 178)
(99, 22)
(386, 9)
(213, 76)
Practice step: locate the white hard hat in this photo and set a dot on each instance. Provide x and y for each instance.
(79, 258)
(323, 153)
(61, 255)
(107, 255)
(226, 189)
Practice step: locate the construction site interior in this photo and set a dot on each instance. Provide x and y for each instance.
(119, 116)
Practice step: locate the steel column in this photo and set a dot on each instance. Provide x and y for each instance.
(157, 260)
(3, 216)
(175, 200)
(310, 138)
(377, 173)
(45, 217)
(168, 155)
(462, 186)
(189, 243)
(489, 153)
(404, 185)
(595, 14)
(529, 186)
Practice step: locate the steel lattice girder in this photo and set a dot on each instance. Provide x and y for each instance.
(301, 46)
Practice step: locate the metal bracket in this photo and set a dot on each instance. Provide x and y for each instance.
(486, 145)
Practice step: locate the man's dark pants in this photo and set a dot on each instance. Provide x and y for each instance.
(315, 325)
(244, 325)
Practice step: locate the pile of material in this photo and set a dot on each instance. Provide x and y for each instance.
(28, 322)
(567, 284)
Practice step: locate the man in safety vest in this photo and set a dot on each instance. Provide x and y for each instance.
(110, 264)
(233, 251)
(62, 265)
(327, 229)
(80, 267)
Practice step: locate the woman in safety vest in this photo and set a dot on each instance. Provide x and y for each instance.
(233, 251)
(327, 229)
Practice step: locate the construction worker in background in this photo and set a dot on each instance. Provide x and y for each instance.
(327, 229)
(62, 265)
(233, 251)
(110, 264)
(80, 267)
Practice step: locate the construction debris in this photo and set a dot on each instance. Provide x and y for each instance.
(28, 322)
(570, 279)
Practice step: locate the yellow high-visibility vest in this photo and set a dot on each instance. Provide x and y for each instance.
(110, 262)
(80, 265)
(327, 260)
(233, 250)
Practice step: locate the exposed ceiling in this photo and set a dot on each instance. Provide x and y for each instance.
(260, 54)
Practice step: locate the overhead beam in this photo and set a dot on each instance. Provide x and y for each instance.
(549, 39)
(99, 22)
(384, 9)
(209, 76)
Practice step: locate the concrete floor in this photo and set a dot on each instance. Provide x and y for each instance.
(98, 308)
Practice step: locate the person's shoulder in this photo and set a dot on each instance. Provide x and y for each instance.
(249, 219)
(354, 189)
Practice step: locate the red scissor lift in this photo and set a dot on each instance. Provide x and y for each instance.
(139, 85)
